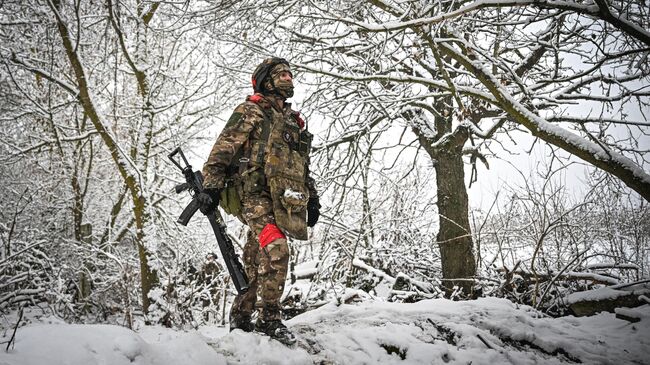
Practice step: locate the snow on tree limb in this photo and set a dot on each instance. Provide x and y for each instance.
(125, 165)
(401, 78)
(599, 10)
(38, 71)
(582, 120)
(597, 154)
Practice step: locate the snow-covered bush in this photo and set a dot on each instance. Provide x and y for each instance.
(541, 245)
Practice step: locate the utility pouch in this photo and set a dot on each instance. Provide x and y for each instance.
(253, 182)
(230, 201)
(290, 199)
(305, 143)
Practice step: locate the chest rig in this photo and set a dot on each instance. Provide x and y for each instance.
(282, 152)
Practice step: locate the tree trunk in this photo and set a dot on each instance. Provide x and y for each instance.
(148, 277)
(124, 163)
(454, 236)
(77, 204)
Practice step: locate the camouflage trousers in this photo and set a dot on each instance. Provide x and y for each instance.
(266, 268)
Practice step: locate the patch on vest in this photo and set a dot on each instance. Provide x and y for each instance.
(234, 118)
(287, 137)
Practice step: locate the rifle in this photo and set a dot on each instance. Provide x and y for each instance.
(194, 183)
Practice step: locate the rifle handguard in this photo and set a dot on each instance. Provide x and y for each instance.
(194, 183)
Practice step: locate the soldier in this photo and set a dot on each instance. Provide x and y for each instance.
(258, 168)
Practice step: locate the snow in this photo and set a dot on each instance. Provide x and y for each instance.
(400, 78)
(55, 344)
(306, 269)
(592, 276)
(292, 194)
(396, 25)
(484, 331)
(612, 265)
(362, 265)
(603, 294)
(595, 295)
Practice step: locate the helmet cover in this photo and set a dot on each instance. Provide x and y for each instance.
(266, 77)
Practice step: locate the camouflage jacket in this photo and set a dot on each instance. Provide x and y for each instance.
(241, 138)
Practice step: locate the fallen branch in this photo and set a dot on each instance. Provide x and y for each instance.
(627, 315)
(604, 300)
(422, 286)
(13, 336)
(526, 345)
(645, 299)
(571, 275)
(625, 285)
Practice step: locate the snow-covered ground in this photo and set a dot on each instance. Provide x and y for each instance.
(485, 331)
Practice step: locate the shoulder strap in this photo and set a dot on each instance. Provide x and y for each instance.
(265, 107)
(264, 140)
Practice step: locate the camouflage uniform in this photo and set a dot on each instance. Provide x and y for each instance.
(244, 138)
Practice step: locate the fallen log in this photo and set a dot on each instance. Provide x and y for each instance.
(606, 299)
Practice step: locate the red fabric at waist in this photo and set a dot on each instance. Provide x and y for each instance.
(270, 233)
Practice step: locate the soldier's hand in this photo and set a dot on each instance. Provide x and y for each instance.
(313, 211)
(209, 200)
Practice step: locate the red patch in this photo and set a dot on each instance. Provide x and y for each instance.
(254, 98)
(299, 120)
(270, 233)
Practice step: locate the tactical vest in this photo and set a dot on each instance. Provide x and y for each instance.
(282, 153)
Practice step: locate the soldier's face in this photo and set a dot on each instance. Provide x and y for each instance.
(285, 76)
(283, 80)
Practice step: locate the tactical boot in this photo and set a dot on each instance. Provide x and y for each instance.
(276, 330)
(243, 323)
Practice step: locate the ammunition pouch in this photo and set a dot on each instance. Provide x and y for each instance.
(230, 200)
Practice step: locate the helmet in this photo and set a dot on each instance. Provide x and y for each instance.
(264, 70)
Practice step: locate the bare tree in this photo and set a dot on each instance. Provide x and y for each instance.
(457, 73)
(117, 84)
(546, 244)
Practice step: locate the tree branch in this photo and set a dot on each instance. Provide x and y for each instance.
(606, 159)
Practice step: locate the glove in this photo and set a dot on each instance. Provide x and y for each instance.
(208, 200)
(313, 212)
